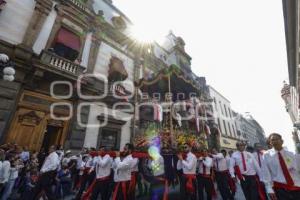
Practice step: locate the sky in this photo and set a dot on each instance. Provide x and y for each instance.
(238, 45)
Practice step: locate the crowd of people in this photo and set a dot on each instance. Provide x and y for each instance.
(263, 174)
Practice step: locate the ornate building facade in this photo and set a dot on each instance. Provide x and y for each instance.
(76, 66)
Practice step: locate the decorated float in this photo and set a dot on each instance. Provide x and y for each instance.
(170, 113)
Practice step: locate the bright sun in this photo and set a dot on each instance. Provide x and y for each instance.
(144, 34)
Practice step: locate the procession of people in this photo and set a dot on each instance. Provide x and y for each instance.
(101, 174)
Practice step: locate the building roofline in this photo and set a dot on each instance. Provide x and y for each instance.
(118, 10)
(218, 93)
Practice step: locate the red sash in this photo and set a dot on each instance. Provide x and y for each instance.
(277, 185)
(88, 193)
(189, 183)
(123, 184)
(132, 182)
(166, 192)
(238, 172)
(260, 188)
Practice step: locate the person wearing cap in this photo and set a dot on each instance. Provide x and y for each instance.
(280, 170)
(67, 158)
(247, 170)
(188, 165)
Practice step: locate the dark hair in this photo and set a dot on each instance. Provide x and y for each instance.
(224, 151)
(130, 146)
(274, 134)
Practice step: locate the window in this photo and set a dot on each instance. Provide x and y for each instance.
(219, 123)
(225, 111)
(234, 132)
(66, 44)
(110, 139)
(229, 129)
(216, 106)
(225, 127)
(221, 107)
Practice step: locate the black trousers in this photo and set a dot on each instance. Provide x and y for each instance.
(283, 194)
(205, 183)
(223, 185)
(157, 189)
(102, 188)
(250, 187)
(186, 194)
(44, 183)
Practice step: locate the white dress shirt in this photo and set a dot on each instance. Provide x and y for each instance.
(4, 171)
(89, 163)
(157, 166)
(271, 168)
(220, 163)
(51, 163)
(122, 169)
(189, 164)
(102, 166)
(252, 167)
(257, 156)
(135, 165)
(206, 162)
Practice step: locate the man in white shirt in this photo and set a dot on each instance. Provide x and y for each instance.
(4, 169)
(247, 170)
(102, 166)
(48, 173)
(221, 166)
(87, 176)
(280, 170)
(188, 166)
(122, 172)
(204, 178)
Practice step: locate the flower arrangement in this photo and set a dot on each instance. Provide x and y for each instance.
(163, 139)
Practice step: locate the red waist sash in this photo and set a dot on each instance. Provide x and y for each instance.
(277, 185)
(132, 181)
(189, 183)
(122, 184)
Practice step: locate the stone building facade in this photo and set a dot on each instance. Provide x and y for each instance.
(76, 66)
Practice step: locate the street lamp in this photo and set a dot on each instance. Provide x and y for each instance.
(7, 66)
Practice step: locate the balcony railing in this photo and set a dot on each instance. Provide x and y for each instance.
(79, 4)
(60, 63)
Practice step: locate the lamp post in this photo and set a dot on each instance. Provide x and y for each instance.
(7, 66)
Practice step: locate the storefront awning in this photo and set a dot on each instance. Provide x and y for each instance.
(68, 39)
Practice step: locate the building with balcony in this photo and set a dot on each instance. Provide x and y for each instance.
(224, 119)
(76, 66)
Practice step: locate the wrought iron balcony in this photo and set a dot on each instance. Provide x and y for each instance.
(61, 64)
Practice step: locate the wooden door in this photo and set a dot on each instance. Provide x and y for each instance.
(27, 128)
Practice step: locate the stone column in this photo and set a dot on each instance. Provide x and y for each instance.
(93, 54)
(41, 11)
